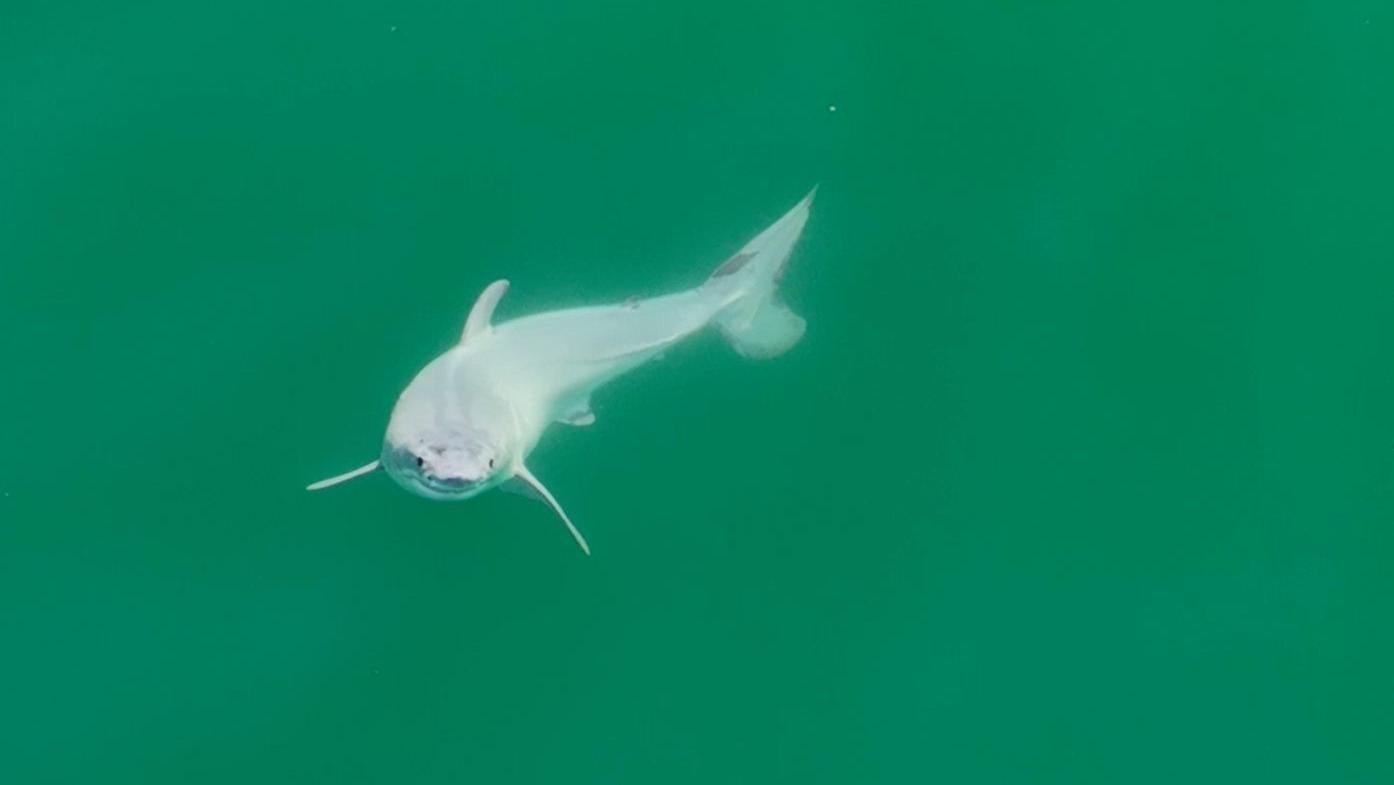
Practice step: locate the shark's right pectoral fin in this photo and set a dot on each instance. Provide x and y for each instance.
(525, 483)
(345, 477)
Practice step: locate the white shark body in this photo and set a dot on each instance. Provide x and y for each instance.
(471, 417)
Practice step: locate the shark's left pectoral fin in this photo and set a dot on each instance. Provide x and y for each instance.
(483, 311)
(345, 477)
(529, 485)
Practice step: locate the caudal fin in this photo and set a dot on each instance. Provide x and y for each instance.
(757, 323)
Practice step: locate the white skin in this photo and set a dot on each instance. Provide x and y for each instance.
(472, 416)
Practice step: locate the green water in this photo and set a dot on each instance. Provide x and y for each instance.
(1083, 473)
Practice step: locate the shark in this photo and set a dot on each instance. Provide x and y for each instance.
(470, 419)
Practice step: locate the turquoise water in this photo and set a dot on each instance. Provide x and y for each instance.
(1084, 471)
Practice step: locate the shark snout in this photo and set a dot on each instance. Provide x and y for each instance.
(440, 471)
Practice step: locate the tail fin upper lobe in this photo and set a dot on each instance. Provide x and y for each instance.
(757, 323)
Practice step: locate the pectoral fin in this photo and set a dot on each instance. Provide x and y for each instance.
(483, 311)
(345, 477)
(531, 486)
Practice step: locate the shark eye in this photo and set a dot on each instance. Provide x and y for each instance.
(491, 463)
(420, 461)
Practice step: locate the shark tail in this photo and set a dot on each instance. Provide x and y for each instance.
(757, 323)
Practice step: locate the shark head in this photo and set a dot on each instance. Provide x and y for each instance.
(449, 438)
(449, 462)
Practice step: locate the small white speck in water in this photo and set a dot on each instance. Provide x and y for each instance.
(832, 107)
(392, 29)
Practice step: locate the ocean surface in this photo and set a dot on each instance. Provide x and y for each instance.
(1084, 472)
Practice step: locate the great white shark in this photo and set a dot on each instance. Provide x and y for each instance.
(469, 420)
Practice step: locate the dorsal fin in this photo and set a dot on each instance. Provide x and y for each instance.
(483, 311)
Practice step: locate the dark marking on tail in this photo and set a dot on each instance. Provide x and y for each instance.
(733, 265)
